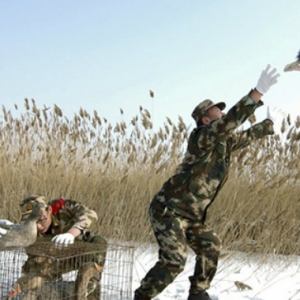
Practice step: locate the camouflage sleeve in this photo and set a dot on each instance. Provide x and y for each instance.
(218, 130)
(83, 216)
(257, 131)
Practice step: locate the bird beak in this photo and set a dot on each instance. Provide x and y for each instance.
(294, 66)
(14, 292)
(98, 268)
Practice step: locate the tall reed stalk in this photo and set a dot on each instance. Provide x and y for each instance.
(117, 168)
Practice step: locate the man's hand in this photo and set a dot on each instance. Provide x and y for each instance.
(64, 238)
(275, 114)
(269, 115)
(266, 80)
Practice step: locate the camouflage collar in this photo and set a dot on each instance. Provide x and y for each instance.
(55, 221)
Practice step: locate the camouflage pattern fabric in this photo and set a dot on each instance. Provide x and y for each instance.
(201, 109)
(174, 233)
(207, 160)
(71, 214)
(178, 210)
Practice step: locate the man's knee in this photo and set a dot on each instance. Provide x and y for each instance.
(175, 267)
(173, 262)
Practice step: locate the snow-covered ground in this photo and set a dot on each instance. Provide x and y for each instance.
(270, 278)
(274, 277)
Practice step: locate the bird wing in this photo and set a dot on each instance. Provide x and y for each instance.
(19, 236)
(11, 226)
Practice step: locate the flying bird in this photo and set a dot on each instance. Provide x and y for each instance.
(22, 235)
(34, 287)
(294, 66)
(151, 94)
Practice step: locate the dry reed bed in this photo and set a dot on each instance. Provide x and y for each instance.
(116, 170)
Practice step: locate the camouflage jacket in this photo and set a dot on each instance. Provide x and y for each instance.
(71, 214)
(204, 168)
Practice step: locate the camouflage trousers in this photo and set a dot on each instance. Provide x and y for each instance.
(53, 262)
(173, 234)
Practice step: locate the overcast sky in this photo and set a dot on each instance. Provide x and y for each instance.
(107, 54)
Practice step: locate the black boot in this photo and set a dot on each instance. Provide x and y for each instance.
(141, 298)
(200, 296)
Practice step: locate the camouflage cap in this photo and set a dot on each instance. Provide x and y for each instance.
(27, 204)
(203, 107)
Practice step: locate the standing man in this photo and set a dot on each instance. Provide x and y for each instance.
(178, 210)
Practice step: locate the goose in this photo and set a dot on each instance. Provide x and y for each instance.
(294, 66)
(34, 287)
(22, 235)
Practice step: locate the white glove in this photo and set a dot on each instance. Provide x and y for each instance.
(266, 80)
(64, 238)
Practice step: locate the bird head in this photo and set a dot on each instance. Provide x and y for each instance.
(83, 284)
(32, 204)
(294, 66)
(24, 284)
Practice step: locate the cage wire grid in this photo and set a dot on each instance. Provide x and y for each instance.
(116, 279)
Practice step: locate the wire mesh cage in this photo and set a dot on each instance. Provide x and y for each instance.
(45, 271)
